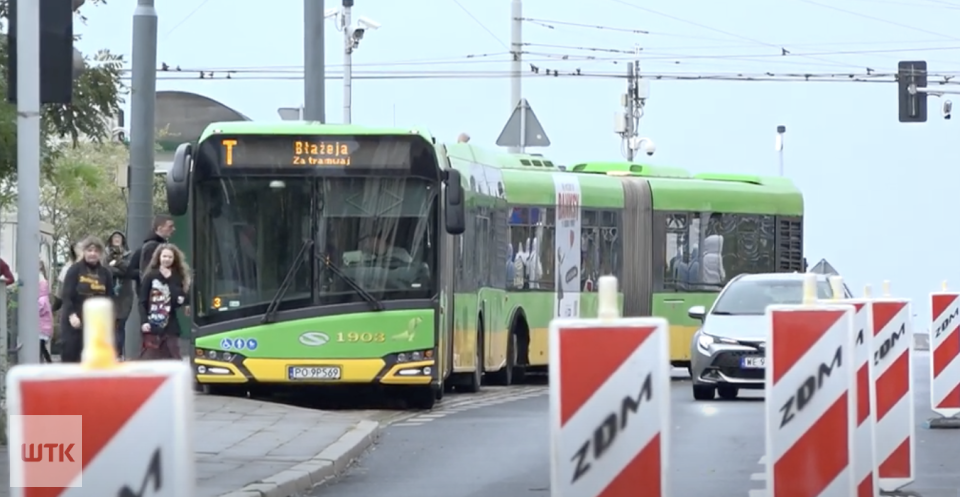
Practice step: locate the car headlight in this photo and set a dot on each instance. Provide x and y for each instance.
(705, 340)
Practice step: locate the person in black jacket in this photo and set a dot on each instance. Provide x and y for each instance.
(163, 228)
(164, 288)
(85, 279)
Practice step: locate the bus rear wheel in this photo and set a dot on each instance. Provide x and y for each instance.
(504, 377)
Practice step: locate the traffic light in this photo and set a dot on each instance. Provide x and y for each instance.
(60, 63)
(912, 75)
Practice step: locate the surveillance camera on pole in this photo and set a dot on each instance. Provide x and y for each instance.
(351, 41)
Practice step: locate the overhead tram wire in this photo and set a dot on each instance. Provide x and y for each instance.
(879, 19)
(784, 52)
(940, 78)
(481, 24)
(652, 56)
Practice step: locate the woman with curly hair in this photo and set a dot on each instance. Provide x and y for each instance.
(164, 288)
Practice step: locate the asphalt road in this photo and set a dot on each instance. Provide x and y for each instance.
(502, 450)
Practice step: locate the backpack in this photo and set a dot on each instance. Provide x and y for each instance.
(137, 262)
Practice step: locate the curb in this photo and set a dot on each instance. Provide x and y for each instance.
(308, 474)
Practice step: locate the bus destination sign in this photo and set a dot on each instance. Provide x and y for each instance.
(285, 151)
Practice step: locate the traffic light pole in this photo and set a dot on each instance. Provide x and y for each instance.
(28, 180)
(142, 141)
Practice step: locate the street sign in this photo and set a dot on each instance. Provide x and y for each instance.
(913, 104)
(290, 113)
(101, 428)
(609, 403)
(523, 129)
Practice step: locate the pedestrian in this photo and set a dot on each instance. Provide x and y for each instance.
(164, 289)
(46, 316)
(117, 258)
(85, 279)
(74, 255)
(163, 228)
(6, 275)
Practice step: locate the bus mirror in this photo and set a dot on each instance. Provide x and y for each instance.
(454, 213)
(178, 181)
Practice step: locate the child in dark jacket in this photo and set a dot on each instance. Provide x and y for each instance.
(85, 279)
(164, 289)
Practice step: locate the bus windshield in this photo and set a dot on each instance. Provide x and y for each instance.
(247, 235)
(380, 233)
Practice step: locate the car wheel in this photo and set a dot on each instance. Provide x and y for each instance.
(728, 393)
(703, 392)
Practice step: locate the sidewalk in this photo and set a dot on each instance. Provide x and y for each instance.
(272, 449)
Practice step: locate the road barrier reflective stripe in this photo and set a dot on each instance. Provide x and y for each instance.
(896, 450)
(865, 462)
(945, 344)
(609, 407)
(811, 401)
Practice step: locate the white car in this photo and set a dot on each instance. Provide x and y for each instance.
(728, 351)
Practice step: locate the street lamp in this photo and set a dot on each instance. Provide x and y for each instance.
(781, 130)
(351, 41)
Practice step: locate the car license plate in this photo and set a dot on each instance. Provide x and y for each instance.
(753, 362)
(316, 373)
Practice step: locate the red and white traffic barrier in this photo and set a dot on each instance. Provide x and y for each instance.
(945, 363)
(609, 403)
(109, 428)
(893, 387)
(865, 463)
(811, 399)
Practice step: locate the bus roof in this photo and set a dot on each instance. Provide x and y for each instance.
(305, 128)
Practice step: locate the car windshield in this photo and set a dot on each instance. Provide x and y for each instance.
(380, 233)
(752, 296)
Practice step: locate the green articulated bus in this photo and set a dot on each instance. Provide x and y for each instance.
(350, 255)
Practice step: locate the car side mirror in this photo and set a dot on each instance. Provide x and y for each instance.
(697, 312)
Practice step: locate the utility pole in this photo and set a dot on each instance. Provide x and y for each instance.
(314, 80)
(142, 141)
(28, 177)
(628, 121)
(349, 43)
(629, 109)
(516, 68)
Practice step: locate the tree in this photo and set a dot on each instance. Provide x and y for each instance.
(80, 196)
(97, 95)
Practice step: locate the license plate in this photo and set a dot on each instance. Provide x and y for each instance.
(753, 362)
(313, 373)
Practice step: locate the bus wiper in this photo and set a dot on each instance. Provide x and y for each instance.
(271, 313)
(352, 283)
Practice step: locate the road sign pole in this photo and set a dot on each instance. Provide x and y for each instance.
(28, 178)
(516, 66)
(142, 142)
(314, 89)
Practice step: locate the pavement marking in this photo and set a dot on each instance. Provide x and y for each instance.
(760, 477)
(464, 403)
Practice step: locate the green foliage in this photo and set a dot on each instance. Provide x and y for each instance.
(97, 95)
(80, 196)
